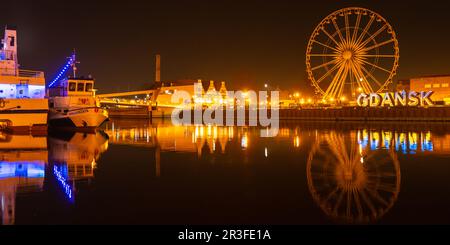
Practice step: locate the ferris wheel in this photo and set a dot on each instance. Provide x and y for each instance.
(352, 51)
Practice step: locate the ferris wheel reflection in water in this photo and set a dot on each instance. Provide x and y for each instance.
(349, 181)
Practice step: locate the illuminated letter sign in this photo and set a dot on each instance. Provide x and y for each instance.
(362, 100)
(395, 99)
(375, 100)
(413, 100)
(387, 100)
(400, 98)
(425, 98)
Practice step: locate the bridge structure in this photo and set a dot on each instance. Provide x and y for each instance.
(130, 98)
(151, 103)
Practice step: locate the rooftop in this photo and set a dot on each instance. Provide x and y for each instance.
(431, 76)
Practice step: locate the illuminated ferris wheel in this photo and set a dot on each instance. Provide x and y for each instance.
(351, 51)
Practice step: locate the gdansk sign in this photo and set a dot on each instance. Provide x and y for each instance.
(403, 98)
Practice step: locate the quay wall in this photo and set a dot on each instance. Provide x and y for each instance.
(369, 114)
(131, 113)
(430, 114)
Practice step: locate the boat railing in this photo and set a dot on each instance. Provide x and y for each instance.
(21, 73)
(30, 73)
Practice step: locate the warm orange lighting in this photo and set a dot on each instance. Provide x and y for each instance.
(244, 141)
(297, 142)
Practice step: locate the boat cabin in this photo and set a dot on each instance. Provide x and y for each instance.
(73, 87)
(16, 83)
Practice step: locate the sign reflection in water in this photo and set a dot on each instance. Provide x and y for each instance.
(194, 138)
(406, 143)
(353, 174)
(350, 181)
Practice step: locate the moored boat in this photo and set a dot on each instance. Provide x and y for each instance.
(23, 106)
(73, 104)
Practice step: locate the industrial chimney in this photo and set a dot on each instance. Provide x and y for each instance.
(158, 69)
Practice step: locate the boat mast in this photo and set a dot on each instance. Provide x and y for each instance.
(74, 63)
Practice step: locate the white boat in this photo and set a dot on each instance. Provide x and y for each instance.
(73, 104)
(23, 106)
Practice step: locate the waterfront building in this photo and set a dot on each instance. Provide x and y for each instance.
(403, 85)
(439, 84)
(215, 92)
(287, 99)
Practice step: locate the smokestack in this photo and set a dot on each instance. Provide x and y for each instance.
(158, 69)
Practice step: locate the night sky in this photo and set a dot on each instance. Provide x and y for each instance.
(246, 43)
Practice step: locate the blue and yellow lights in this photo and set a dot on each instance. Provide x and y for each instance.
(63, 71)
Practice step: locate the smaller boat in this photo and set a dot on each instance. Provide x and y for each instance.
(73, 104)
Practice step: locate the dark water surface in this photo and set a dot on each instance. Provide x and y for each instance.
(141, 172)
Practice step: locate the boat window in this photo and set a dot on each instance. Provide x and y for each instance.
(12, 41)
(88, 87)
(22, 91)
(80, 87)
(72, 86)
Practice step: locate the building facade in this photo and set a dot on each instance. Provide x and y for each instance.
(439, 84)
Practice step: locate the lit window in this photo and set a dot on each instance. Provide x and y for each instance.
(436, 85)
(445, 85)
(80, 87)
(72, 86)
(427, 85)
(89, 87)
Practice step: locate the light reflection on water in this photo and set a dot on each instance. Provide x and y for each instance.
(351, 181)
(352, 172)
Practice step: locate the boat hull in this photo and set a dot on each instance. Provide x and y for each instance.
(24, 115)
(83, 118)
